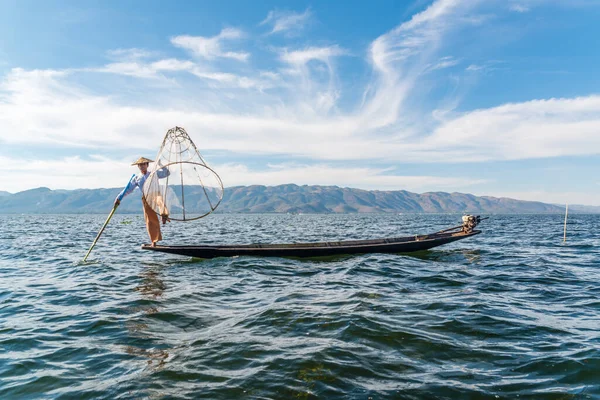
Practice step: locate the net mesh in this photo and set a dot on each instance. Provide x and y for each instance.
(181, 186)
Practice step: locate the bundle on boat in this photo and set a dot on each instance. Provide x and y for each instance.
(325, 249)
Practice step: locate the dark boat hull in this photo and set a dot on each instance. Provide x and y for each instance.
(321, 249)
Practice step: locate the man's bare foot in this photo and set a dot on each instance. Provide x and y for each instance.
(153, 244)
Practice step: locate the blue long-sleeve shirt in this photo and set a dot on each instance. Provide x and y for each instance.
(139, 180)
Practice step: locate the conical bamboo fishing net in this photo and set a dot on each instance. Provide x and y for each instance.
(181, 186)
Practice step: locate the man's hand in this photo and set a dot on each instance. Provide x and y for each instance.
(117, 202)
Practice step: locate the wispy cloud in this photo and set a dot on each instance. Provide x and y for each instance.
(323, 174)
(475, 67)
(299, 107)
(531, 129)
(160, 68)
(400, 57)
(212, 47)
(316, 86)
(63, 173)
(444, 62)
(74, 172)
(299, 117)
(301, 57)
(486, 66)
(520, 8)
(287, 22)
(130, 54)
(135, 69)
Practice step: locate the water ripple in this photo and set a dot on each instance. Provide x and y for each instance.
(510, 313)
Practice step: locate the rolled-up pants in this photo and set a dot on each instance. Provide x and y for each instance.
(152, 224)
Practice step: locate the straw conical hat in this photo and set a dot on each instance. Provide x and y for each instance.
(142, 160)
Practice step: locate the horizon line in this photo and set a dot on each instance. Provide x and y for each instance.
(335, 186)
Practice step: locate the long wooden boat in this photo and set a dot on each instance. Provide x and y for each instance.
(325, 249)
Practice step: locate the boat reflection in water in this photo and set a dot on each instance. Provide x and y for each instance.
(151, 289)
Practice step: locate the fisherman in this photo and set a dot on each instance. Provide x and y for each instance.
(152, 224)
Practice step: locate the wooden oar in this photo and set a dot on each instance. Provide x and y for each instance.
(108, 219)
(101, 230)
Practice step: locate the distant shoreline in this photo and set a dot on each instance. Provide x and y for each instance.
(286, 199)
(140, 213)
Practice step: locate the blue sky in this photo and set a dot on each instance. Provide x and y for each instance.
(487, 97)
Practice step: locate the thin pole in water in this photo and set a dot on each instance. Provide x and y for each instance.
(100, 233)
(566, 213)
(120, 197)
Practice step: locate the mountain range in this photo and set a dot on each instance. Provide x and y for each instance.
(288, 198)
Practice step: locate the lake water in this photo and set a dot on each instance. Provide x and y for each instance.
(509, 313)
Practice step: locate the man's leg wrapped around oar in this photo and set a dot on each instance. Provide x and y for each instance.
(163, 209)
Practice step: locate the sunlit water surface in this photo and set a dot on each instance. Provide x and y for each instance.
(512, 312)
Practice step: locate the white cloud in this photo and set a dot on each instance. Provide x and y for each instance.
(135, 69)
(301, 57)
(158, 69)
(304, 121)
(63, 173)
(475, 67)
(300, 114)
(434, 13)
(129, 54)
(444, 62)
(520, 8)
(401, 56)
(211, 47)
(533, 129)
(317, 88)
(232, 80)
(487, 67)
(75, 173)
(286, 21)
(323, 174)
(172, 64)
(42, 107)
